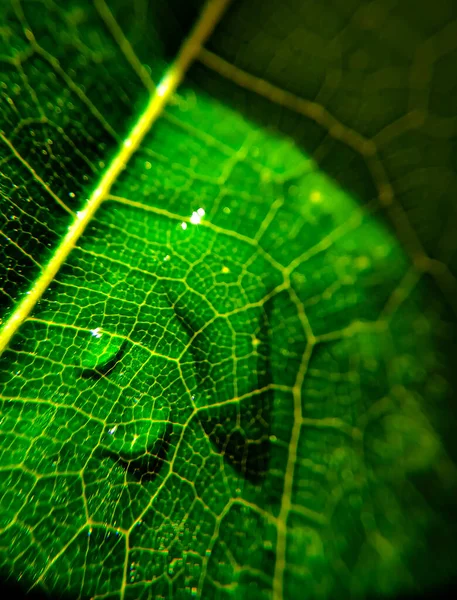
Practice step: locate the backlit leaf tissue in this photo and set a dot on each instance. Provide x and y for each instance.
(228, 298)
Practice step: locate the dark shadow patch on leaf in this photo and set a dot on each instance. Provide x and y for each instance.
(239, 430)
(144, 465)
(16, 590)
(433, 593)
(246, 449)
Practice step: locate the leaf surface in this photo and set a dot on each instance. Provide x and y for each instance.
(228, 312)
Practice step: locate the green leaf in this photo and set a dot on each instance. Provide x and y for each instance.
(228, 307)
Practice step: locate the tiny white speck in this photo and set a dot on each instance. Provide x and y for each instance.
(167, 257)
(127, 143)
(96, 332)
(81, 214)
(112, 431)
(201, 212)
(184, 225)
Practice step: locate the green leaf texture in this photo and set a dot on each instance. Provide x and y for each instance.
(228, 309)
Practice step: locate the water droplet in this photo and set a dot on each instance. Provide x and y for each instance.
(197, 216)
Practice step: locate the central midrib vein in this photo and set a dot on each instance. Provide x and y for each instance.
(208, 19)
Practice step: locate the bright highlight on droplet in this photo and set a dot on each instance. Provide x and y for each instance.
(162, 88)
(197, 215)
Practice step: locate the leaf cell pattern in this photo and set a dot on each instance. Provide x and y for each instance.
(237, 383)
